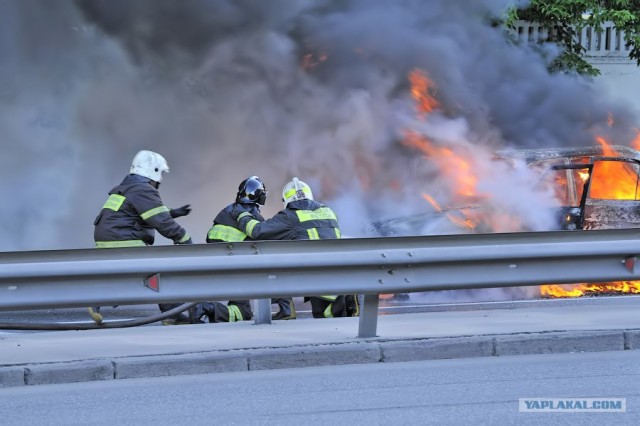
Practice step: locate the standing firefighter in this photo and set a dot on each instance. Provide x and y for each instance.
(302, 219)
(251, 195)
(134, 211)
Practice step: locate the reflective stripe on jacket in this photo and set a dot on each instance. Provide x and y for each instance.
(301, 220)
(133, 211)
(225, 228)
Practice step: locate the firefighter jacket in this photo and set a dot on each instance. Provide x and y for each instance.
(225, 228)
(131, 215)
(301, 220)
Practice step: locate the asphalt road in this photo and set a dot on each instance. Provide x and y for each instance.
(443, 392)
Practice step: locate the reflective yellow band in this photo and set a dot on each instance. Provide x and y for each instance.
(226, 233)
(252, 224)
(115, 244)
(329, 298)
(114, 202)
(234, 313)
(185, 238)
(149, 213)
(323, 213)
(313, 234)
(327, 312)
(292, 192)
(244, 214)
(338, 234)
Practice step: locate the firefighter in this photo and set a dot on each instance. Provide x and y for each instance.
(301, 219)
(134, 211)
(251, 195)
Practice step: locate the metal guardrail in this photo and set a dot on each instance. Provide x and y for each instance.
(265, 269)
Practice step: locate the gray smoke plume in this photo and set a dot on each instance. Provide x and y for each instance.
(227, 89)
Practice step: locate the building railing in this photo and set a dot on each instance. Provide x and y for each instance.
(609, 42)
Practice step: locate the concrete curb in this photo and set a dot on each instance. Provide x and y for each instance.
(315, 356)
(178, 365)
(68, 372)
(560, 342)
(361, 352)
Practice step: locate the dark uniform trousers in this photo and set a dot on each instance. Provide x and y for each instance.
(328, 307)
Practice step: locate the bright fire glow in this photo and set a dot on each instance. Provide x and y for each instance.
(423, 91)
(453, 166)
(614, 180)
(577, 290)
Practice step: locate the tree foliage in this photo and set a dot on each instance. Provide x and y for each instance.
(565, 19)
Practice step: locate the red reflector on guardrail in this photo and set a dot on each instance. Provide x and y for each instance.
(153, 282)
(630, 263)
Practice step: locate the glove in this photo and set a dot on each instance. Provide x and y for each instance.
(238, 209)
(185, 242)
(180, 211)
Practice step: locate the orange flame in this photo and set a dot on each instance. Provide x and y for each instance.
(616, 180)
(436, 206)
(452, 165)
(423, 91)
(577, 290)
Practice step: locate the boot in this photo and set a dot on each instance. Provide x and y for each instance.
(287, 310)
(353, 305)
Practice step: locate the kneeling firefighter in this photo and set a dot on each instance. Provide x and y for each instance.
(301, 219)
(251, 195)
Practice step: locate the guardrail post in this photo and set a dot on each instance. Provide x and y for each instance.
(263, 311)
(368, 316)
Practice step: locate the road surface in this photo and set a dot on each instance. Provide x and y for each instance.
(444, 392)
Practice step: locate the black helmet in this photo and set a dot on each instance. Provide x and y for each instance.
(252, 190)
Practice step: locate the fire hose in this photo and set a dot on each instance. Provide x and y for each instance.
(93, 326)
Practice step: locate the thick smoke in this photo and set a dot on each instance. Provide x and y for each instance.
(226, 89)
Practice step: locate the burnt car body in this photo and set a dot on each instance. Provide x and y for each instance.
(597, 188)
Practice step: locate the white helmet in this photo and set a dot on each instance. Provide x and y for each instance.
(150, 165)
(296, 190)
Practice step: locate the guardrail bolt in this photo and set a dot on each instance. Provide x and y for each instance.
(409, 254)
(380, 281)
(391, 271)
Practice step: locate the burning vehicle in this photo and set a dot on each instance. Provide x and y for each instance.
(471, 188)
(597, 188)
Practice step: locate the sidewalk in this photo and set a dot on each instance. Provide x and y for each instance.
(75, 356)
